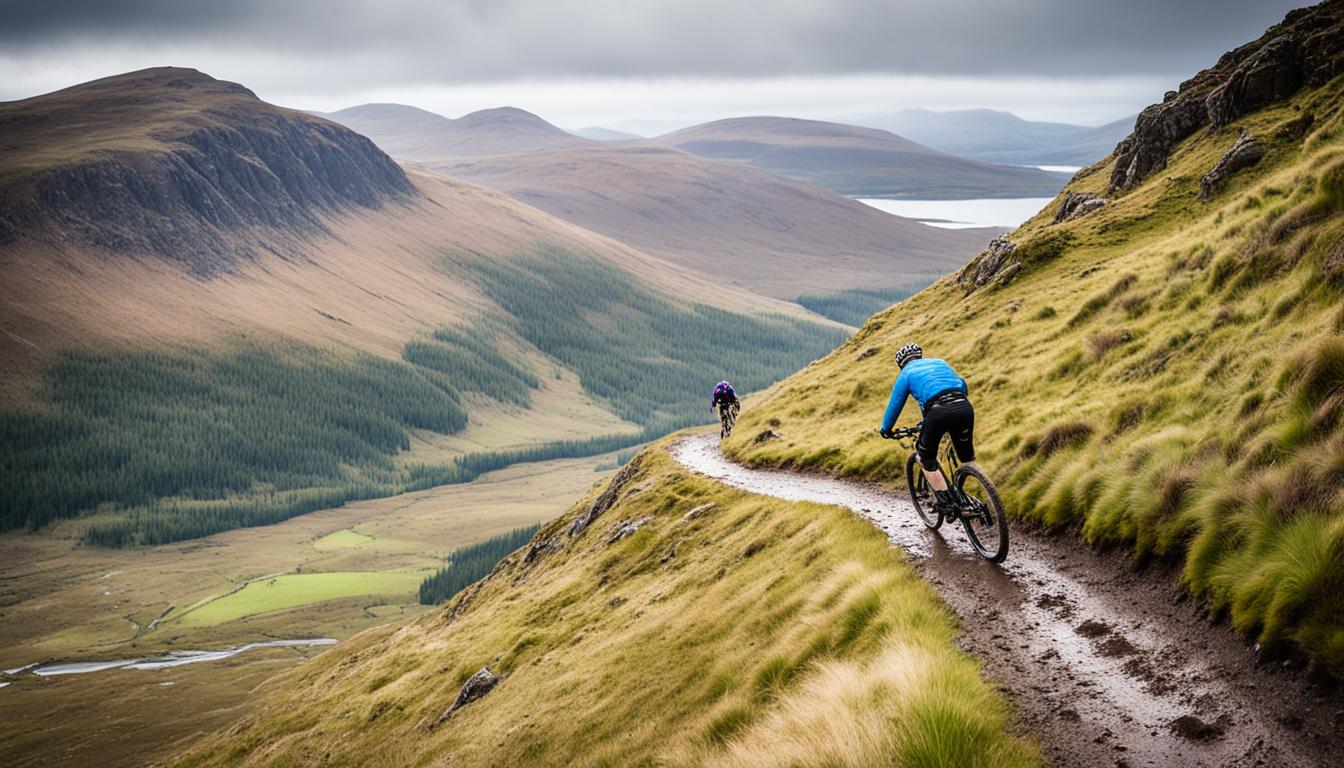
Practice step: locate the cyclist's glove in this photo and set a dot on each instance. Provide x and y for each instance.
(887, 433)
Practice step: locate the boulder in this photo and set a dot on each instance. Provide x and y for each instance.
(994, 263)
(476, 686)
(1244, 153)
(1077, 204)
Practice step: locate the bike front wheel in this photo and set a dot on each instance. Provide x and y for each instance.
(920, 494)
(985, 523)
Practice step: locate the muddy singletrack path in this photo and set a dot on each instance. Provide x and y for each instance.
(1105, 666)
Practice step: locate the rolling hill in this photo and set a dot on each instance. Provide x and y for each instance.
(218, 312)
(1156, 358)
(741, 225)
(412, 134)
(1002, 137)
(861, 162)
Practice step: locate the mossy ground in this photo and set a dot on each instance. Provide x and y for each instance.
(760, 632)
(1171, 379)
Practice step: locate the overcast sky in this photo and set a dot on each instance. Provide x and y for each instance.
(674, 62)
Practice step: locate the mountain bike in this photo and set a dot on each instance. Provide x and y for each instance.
(977, 503)
(727, 418)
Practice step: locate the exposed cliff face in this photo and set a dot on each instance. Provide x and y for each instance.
(173, 162)
(1307, 48)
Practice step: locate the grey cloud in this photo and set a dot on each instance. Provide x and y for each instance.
(495, 40)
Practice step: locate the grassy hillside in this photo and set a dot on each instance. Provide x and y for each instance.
(1165, 373)
(754, 632)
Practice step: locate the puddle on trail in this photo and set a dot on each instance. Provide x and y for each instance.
(165, 661)
(1099, 673)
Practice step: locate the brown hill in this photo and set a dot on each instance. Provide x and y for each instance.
(409, 133)
(174, 162)
(774, 235)
(858, 161)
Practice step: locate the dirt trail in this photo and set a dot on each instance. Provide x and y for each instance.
(1105, 666)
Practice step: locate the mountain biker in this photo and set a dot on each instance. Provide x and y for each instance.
(723, 397)
(941, 395)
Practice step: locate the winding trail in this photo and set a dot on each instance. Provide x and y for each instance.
(1105, 666)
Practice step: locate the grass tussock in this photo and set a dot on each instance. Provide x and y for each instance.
(1219, 424)
(673, 646)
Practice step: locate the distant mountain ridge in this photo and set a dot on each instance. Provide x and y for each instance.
(414, 134)
(1003, 137)
(775, 235)
(856, 161)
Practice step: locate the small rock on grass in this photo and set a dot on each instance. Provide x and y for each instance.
(698, 511)
(476, 686)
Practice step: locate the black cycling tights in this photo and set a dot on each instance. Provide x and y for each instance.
(955, 418)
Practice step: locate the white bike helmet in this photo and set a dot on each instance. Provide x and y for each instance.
(909, 352)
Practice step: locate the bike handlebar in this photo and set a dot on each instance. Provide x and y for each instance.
(897, 434)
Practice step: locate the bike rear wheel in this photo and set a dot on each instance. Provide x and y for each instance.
(920, 494)
(729, 418)
(985, 523)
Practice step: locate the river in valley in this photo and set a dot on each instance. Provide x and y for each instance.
(165, 661)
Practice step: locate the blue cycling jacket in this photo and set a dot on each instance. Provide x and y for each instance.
(923, 378)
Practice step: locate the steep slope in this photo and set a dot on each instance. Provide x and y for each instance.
(744, 226)
(1002, 137)
(201, 161)
(411, 134)
(666, 620)
(863, 162)
(296, 366)
(1164, 371)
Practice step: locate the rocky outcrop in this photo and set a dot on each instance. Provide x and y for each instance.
(1077, 204)
(476, 686)
(1307, 48)
(1271, 73)
(1244, 153)
(607, 498)
(995, 264)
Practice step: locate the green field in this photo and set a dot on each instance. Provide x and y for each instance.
(295, 589)
(344, 539)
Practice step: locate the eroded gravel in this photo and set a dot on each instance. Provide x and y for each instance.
(1105, 665)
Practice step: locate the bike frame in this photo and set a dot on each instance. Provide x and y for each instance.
(947, 467)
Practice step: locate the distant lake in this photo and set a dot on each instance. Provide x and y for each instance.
(963, 214)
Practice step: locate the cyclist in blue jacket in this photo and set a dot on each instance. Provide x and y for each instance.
(941, 395)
